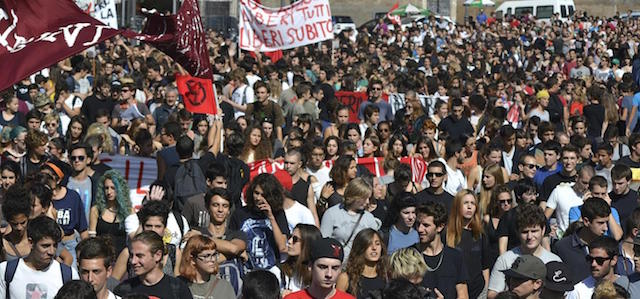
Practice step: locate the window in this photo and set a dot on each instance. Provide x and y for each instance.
(520, 11)
(544, 12)
(571, 10)
(563, 11)
(509, 11)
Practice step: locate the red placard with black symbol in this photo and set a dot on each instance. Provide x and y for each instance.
(197, 94)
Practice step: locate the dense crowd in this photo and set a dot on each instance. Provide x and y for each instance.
(529, 130)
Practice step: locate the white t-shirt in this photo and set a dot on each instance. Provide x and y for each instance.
(583, 289)
(112, 295)
(131, 224)
(455, 179)
(562, 199)
(242, 95)
(298, 214)
(31, 283)
(64, 118)
(322, 175)
(497, 280)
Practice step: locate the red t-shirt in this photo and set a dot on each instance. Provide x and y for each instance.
(303, 294)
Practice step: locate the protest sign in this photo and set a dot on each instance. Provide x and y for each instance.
(269, 29)
(137, 171)
(352, 99)
(197, 94)
(105, 12)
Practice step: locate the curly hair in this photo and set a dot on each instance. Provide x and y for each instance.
(98, 131)
(262, 150)
(272, 191)
(356, 260)
(123, 202)
(339, 171)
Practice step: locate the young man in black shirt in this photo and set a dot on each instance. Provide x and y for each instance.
(436, 174)
(147, 252)
(446, 270)
(100, 99)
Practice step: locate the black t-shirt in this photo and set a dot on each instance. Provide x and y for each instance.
(626, 160)
(369, 286)
(477, 257)
(261, 244)
(427, 195)
(92, 104)
(594, 116)
(237, 173)
(228, 234)
(448, 269)
(167, 288)
(625, 204)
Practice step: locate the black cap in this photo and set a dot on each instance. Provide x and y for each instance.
(327, 248)
(557, 278)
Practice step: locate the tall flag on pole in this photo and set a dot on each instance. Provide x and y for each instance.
(395, 19)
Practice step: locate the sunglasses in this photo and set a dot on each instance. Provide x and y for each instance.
(77, 158)
(376, 88)
(599, 260)
(530, 166)
(504, 202)
(295, 239)
(52, 124)
(435, 174)
(125, 90)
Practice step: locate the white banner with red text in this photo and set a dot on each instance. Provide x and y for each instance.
(139, 172)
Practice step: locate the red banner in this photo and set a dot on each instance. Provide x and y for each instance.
(30, 28)
(60, 29)
(353, 99)
(197, 94)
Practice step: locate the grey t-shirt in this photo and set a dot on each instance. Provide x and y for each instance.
(222, 290)
(84, 189)
(497, 280)
(337, 223)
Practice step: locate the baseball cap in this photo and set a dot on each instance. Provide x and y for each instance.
(528, 267)
(327, 248)
(41, 101)
(557, 278)
(116, 85)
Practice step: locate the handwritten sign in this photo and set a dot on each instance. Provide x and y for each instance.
(269, 29)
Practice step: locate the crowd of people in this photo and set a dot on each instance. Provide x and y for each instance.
(529, 130)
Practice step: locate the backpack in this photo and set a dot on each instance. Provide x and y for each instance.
(232, 271)
(12, 266)
(189, 181)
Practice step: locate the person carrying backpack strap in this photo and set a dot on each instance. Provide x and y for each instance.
(39, 271)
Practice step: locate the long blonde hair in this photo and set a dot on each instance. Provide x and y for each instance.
(493, 169)
(456, 224)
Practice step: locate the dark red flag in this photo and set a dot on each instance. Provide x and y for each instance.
(38, 33)
(197, 94)
(180, 36)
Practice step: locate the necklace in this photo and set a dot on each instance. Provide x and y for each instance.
(439, 262)
(112, 209)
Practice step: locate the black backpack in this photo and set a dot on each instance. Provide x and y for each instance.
(189, 181)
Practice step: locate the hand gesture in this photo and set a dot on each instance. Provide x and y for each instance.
(327, 190)
(265, 207)
(156, 193)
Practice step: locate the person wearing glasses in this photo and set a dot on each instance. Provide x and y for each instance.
(602, 259)
(295, 270)
(79, 181)
(199, 268)
(436, 175)
(51, 125)
(375, 98)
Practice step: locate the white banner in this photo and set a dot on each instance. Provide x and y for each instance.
(139, 173)
(269, 29)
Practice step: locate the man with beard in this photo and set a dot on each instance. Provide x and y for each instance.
(38, 273)
(602, 259)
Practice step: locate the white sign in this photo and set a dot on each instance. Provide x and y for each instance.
(105, 12)
(269, 29)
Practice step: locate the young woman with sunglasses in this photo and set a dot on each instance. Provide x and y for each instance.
(465, 232)
(199, 269)
(295, 270)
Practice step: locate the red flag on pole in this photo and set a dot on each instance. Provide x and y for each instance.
(197, 94)
(395, 19)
